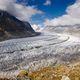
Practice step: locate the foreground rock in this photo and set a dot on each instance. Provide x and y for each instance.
(11, 27)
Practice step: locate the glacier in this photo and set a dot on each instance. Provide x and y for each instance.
(47, 49)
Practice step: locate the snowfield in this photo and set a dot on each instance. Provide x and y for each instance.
(37, 52)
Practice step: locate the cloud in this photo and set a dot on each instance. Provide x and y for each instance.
(20, 11)
(48, 2)
(77, 0)
(71, 18)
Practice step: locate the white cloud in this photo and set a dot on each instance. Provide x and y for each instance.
(48, 2)
(20, 11)
(72, 17)
(77, 0)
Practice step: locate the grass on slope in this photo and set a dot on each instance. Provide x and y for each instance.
(56, 73)
(50, 73)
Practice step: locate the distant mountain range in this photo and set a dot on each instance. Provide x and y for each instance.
(11, 27)
(71, 29)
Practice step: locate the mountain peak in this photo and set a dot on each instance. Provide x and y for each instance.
(11, 27)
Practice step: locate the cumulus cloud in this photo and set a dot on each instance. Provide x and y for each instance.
(48, 2)
(20, 11)
(71, 18)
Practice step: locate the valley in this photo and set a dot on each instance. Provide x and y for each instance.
(34, 53)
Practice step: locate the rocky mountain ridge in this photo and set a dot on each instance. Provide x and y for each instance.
(11, 27)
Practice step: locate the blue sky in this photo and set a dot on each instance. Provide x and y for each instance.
(44, 12)
(55, 9)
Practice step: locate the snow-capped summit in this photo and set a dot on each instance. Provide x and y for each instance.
(37, 28)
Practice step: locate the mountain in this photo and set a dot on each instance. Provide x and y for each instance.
(70, 29)
(36, 28)
(11, 27)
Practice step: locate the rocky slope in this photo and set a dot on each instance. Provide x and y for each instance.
(11, 27)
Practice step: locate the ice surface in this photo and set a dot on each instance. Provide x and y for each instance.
(37, 52)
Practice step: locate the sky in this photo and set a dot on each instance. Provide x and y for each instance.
(44, 12)
(50, 8)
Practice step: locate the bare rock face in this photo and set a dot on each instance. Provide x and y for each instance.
(11, 27)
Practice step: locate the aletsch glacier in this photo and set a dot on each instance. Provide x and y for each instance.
(48, 49)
